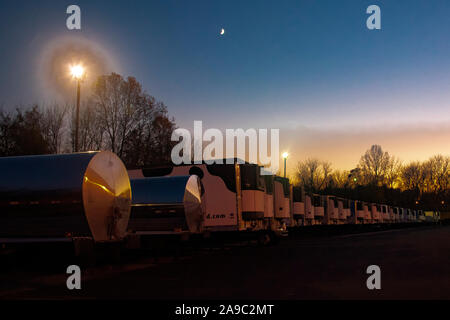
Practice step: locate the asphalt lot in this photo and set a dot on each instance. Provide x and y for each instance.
(415, 264)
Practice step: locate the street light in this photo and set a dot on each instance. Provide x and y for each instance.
(285, 155)
(77, 72)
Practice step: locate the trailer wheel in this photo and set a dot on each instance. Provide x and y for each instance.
(113, 252)
(84, 251)
(274, 238)
(264, 239)
(133, 241)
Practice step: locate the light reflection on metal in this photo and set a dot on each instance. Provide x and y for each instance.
(173, 202)
(86, 179)
(107, 196)
(84, 194)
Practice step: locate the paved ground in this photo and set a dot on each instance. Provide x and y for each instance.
(415, 264)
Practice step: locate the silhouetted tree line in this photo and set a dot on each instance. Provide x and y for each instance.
(382, 178)
(118, 116)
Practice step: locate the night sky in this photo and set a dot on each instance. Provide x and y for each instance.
(310, 68)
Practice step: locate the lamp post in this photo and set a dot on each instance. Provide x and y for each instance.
(285, 155)
(77, 73)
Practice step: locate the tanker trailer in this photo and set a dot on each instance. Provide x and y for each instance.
(166, 206)
(66, 197)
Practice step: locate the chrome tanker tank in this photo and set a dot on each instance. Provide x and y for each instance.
(165, 205)
(64, 196)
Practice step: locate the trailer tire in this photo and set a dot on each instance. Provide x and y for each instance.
(274, 238)
(85, 251)
(264, 239)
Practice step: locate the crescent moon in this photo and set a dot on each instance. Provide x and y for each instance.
(222, 32)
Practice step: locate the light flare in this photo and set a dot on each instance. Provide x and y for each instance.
(77, 71)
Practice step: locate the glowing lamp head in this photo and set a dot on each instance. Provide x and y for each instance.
(285, 155)
(77, 71)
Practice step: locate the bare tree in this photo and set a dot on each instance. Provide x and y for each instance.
(313, 174)
(116, 102)
(374, 165)
(91, 134)
(393, 172)
(412, 176)
(7, 141)
(340, 178)
(21, 133)
(53, 126)
(118, 116)
(327, 170)
(437, 171)
(133, 124)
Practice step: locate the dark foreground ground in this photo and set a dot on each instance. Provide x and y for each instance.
(415, 264)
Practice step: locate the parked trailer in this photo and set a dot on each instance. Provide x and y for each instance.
(367, 213)
(346, 210)
(252, 188)
(331, 214)
(420, 216)
(69, 197)
(166, 205)
(336, 209)
(281, 203)
(298, 205)
(444, 217)
(360, 212)
(319, 209)
(343, 208)
(392, 215)
(309, 209)
(402, 215)
(437, 216)
(379, 213)
(414, 215)
(375, 213)
(429, 216)
(235, 195)
(397, 214)
(353, 217)
(385, 213)
(268, 198)
(409, 215)
(432, 216)
(87, 197)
